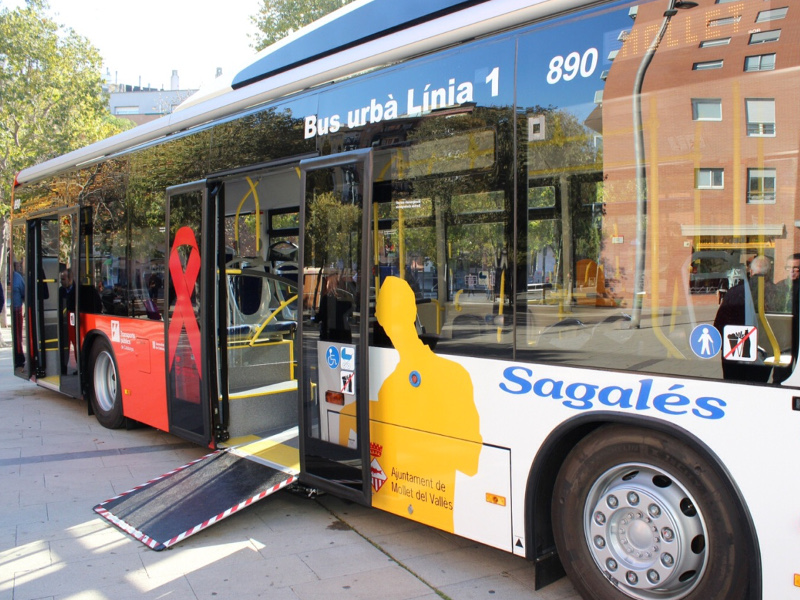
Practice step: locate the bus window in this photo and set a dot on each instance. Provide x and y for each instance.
(241, 233)
(284, 242)
(448, 237)
(148, 246)
(105, 217)
(631, 249)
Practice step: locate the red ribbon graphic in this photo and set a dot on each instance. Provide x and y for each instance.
(183, 317)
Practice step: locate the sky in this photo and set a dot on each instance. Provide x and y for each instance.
(147, 41)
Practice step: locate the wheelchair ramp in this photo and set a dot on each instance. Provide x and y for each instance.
(170, 508)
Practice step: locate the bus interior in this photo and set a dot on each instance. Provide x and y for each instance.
(259, 284)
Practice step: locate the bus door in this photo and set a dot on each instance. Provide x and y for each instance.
(229, 299)
(69, 305)
(256, 303)
(51, 290)
(191, 371)
(333, 384)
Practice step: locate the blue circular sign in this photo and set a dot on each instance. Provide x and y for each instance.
(332, 356)
(705, 340)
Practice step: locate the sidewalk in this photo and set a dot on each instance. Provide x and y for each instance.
(56, 463)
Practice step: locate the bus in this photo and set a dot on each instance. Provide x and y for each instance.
(520, 270)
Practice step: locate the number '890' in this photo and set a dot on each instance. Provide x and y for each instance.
(568, 68)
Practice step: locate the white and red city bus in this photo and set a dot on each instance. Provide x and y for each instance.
(520, 270)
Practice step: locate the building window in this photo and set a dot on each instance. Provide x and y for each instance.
(771, 15)
(762, 62)
(762, 37)
(536, 128)
(725, 21)
(706, 109)
(760, 117)
(709, 64)
(715, 42)
(761, 186)
(709, 179)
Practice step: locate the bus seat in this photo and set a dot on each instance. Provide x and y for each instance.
(781, 324)
(246, 292)
(287, 270)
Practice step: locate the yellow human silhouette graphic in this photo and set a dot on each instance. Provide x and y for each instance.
(425, 394)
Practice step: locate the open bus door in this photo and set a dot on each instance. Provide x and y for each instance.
(227, 320)
(189, 360)
(69, 308)
(52, 301)
(333, 384)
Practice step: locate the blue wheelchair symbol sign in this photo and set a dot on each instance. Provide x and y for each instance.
(706, 341)
(332, 356)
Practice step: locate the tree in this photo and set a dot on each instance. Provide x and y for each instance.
(51, 98)
(278, 18)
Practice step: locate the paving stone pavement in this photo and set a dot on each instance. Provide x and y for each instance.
(57, 462)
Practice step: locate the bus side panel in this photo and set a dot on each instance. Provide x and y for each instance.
(748, 431)
(412, 469)
(139, 350)
(453, 484)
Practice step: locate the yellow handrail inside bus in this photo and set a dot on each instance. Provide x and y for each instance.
(401, 244)
(500, 305)
(773, 341)
(376, 254)
(261, 327)
(439, 311)
(258, 215)
(458, 306)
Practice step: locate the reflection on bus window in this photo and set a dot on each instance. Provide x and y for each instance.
(448, 236)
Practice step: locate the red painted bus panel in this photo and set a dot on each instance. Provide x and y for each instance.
(139, 350)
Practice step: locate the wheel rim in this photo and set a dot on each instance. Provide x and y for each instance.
(105, 381)
(645, 533)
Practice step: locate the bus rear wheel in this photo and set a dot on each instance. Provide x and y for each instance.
(638, 514)
(104, 390)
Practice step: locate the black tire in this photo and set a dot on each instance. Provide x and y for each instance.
(104, 389)
(638, 514)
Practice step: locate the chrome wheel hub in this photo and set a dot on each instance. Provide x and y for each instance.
(645, 533)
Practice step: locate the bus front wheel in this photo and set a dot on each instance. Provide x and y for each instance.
(638, 514)
(104, 389)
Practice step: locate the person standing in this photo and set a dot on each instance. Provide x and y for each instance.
(789, 286)
(793, 266)
(2, 298)
(67, 319)
(790, 293)
(739, 307)
(17, 308)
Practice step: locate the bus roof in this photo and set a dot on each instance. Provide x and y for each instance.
(370, 19)
(407, 29)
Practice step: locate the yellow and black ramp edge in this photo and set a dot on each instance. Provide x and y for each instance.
(170, 508)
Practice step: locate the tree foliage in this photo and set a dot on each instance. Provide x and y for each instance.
(278, 18)
(51, 98)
